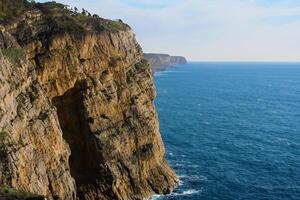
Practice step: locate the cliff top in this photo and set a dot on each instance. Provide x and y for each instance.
(162, 55)
(156, 54)
(60, 16)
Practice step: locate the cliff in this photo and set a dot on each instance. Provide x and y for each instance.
(77, 118)
(161, 62)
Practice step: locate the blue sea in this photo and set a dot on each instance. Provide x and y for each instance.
(232, 130)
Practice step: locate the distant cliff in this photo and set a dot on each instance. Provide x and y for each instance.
(77, 119)
(160, 62)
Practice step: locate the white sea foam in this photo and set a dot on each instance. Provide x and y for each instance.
(180, 183)
(188, 192)
(185, 193)
(155, 197)
(179, 165)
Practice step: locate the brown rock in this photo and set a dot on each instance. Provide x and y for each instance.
(81, 113)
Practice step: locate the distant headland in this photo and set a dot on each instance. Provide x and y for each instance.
(161, 62)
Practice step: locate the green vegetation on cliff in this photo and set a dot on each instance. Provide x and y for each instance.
(10, 193)
(69, 19)
(12, 9)
(59, 15)
(13, 55)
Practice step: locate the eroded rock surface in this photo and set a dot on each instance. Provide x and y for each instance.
(34, 156)
(77, 111)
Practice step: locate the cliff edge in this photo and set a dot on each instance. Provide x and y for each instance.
(161, 62)
(77, 119)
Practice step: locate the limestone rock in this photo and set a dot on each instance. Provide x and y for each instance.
(78, 111)
(37, 159)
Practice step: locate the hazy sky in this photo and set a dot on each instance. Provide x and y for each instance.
(247, 30)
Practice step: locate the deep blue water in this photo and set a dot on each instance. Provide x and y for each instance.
(232, 130)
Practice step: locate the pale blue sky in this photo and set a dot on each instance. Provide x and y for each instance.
(220, 30)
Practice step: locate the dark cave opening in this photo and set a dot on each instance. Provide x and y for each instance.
(77, 134)
(93, 178)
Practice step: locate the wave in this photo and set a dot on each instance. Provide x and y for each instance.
(183, 193)
(180, 183)
(156, 197)
(187, 192)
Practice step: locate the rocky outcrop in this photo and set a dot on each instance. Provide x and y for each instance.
(161, 62)
(76, 109)
(34, 155)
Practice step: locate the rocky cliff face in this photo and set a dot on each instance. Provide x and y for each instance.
(178, 60)
(77, 116)
(161, 62)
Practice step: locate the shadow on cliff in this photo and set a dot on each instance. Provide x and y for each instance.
(71, 118)
(76, 132)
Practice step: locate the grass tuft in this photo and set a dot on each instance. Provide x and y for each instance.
(8, 192)
(13, 55)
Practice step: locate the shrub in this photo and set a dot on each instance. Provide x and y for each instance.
(3, 136)
(114, 25)
(12, 193)
(5, 146)
(13, 55)
(10, 10)
(58, 14)
(73, 21)
(5, 143)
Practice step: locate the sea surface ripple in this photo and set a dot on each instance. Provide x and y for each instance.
(232, 130)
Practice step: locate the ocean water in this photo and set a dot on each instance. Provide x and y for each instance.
(232, 130)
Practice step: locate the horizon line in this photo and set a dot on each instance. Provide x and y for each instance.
(248, 61)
